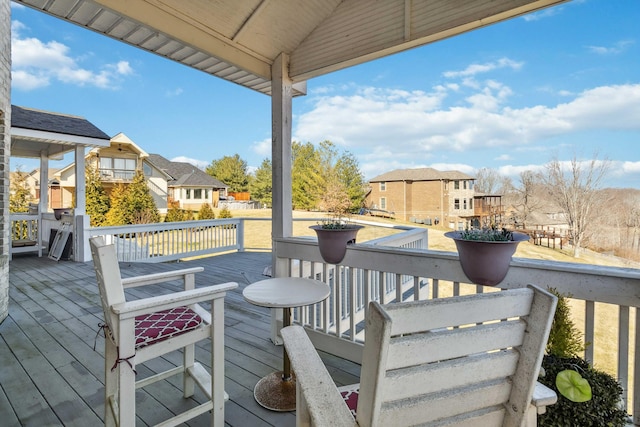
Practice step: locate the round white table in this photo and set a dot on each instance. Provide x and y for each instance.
(277, 391)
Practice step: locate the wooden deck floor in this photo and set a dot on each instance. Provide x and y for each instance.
(50, 374)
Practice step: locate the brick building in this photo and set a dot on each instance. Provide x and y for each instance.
(424, 195)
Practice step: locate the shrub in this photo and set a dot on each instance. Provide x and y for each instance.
(563, 348)
(602, 410)
(206, 212)
(225, 213)
(565, 340)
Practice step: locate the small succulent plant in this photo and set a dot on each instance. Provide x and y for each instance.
(487, 234)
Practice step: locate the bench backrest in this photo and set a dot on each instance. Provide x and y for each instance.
(475, 357)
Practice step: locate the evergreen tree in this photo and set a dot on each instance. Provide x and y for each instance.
(19, 194)
(206, 212)
(231, 170)
(118, 213)
(174, 213)
(96, 198)
(225, 213)
(306, 179)
(348, 174)
(261, 186)
(140, 201)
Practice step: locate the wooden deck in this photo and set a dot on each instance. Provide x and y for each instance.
(50, 374)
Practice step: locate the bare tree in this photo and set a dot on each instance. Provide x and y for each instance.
(527, 201)
(574, 186)
(487, 181)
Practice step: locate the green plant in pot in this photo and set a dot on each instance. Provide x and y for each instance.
(485, 254)
(335, 232)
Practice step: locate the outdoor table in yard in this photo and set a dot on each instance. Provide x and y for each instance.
(277, 391)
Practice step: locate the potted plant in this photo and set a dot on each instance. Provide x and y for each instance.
(335, 232)
(485, 254)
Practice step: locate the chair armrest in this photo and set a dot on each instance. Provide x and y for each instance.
(324, 402)
(149, 279)
(129, 309)
(542, 397)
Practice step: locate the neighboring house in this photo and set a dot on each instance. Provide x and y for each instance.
(32, 180)
(189, 186)
(117, 165)
(425, 195)
(488, 210)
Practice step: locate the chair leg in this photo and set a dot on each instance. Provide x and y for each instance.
(217, 362)
(125, 369)
(187, 362)
(110, 382)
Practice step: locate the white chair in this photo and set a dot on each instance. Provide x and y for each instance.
(463, 361)
(139, 330)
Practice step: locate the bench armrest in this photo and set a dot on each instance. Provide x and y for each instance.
(150, 279)
(542, 397)
(318, 399)
(129, 309)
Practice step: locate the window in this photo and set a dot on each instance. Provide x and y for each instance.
(197, 193)
(464, 204)
(465, 184)
(383, 203)
(456, 185)
(206, 194)
(383, 186)
(456, 203)
(147, 169)
(188, 190)
(117, 168)
(470, 203)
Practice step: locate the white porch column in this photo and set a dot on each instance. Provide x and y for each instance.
(81, 198)
(81, 251)
(44, 183)
(5, 152)
(281, 116)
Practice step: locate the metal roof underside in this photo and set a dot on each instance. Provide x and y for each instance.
(238, 40)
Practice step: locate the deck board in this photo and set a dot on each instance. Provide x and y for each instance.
(52, 376)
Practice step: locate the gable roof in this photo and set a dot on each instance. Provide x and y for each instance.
(36, 131)
(420, 174)
(184, 174)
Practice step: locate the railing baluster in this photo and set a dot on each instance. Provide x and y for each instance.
(623, 351)
(589, 330)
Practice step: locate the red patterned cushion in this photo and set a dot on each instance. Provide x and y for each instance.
(162, 325)
(351, 399)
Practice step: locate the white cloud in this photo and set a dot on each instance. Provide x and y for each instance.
(263, 148)
(617, 48)
(200, 164)
(36, 64)
(174, 92)
(399, 129)
(474, 69)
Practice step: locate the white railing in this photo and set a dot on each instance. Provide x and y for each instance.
(370, 272)
(169, 241)
(25, 233)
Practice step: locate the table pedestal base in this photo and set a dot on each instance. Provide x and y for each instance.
(276, 394)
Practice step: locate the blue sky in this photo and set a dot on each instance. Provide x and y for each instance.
(560, 83)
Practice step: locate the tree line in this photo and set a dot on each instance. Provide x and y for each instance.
(318, 174)
(599, 218)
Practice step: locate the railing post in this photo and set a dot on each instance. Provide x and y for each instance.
(240, 235)
(636, 374)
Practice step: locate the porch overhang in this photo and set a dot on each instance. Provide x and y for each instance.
(240, 41)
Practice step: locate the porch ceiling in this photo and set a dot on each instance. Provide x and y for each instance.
(238, 40)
